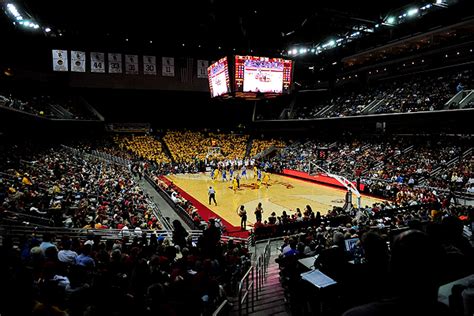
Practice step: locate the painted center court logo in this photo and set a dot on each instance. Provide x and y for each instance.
(285, 184)
(251, 186)
(255, 186)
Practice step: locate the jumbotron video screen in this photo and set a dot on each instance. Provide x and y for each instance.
(262, 74)
(218, 74)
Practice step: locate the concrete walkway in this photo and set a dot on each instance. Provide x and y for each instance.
(166, 210)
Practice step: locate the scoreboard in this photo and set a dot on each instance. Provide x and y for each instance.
(218, 76)
(322, 153)
(250, 77)
(262, 74)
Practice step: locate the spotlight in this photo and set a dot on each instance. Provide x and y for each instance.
(8, 72)
(412, 12)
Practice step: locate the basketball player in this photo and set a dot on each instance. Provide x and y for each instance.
(234, 185)
(255, 171)
(231, 172)
(244, 171)
(266, 179)
(224, 175)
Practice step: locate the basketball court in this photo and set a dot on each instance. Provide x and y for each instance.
(283, 194)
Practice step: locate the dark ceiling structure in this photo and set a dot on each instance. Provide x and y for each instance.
(263, 26)
(213, 28)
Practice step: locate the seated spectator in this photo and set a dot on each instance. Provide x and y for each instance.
(415, 279)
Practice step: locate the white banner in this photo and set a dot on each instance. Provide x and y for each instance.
(60, 61)
(202, 68)
(149, 65)
(131, 64)
(115, 63)
(97, 62)
(167, 66)
(78, 61)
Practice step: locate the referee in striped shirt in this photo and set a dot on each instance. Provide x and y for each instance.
(212, 195)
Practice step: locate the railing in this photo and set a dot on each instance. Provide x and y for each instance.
(111, 158)
(99, 155)
(264, 153)
(129, 127)
(19, 231)
(89, 107)
(246, 288)
(261, 268)
(220, 308)
(252, 282)
(16, 231)
(408, 149)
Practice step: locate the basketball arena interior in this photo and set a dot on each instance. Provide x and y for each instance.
(237, 158)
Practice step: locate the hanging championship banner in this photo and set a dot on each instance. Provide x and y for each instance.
(78, 61)
(60, 61)
(149, 65)
(202, 66)
(97, 62)
(115, 63)
(131, 64)
(167, 66)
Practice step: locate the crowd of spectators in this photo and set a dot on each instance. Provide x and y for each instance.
(34, 105)
(158, 274)
(384, 166)
(260, 145)
(144, 146)
(155, 275)
(43, 105)
(365, 272)
(74, 191)
(413, 94)
(459, 176)
(178, 199)
(416, 164)
(187, 146)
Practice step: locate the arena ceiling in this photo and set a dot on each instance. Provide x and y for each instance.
(264, 25)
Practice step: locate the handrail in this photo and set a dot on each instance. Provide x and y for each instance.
(244, 292)
(261, 268)
(108, 232)
(259, 275)
(220, 308)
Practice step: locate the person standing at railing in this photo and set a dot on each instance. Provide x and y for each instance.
(259, 212)
(243, 217)
(179, 234)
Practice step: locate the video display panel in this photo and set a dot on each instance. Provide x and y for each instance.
(218, 75)
(262, 74)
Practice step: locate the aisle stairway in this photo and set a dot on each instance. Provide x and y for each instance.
(165, 147)
(271, 299)
(249, 146)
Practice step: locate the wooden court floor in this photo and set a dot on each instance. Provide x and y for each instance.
(283, 194)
